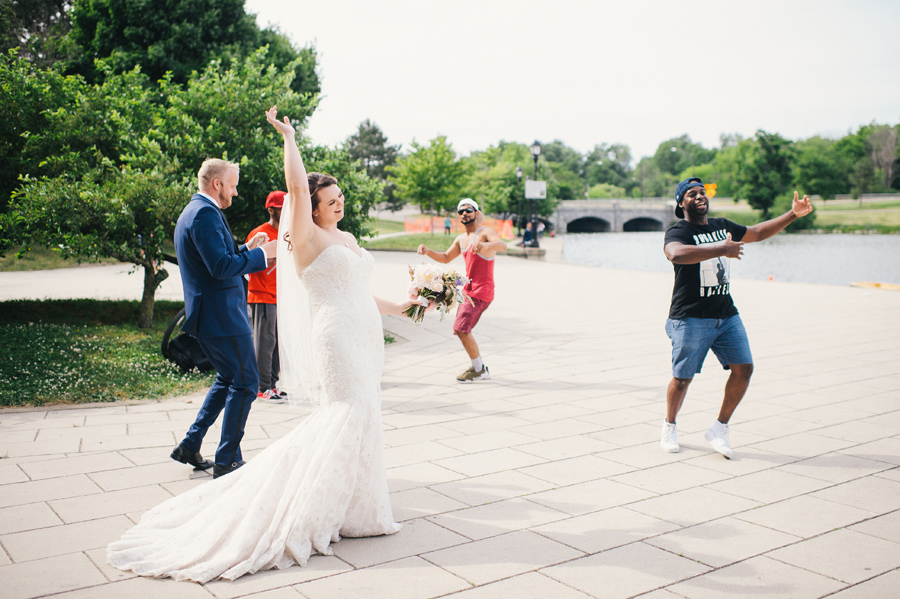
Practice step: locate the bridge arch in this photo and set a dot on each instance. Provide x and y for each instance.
(589, 224)
(642, 223)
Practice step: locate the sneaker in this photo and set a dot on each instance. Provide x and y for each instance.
(471, 375)
(269, 396)
(717, 435)
(668, 438)
(279, 392)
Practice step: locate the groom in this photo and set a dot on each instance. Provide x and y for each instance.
(211, 266)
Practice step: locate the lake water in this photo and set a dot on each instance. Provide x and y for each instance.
(834, 259)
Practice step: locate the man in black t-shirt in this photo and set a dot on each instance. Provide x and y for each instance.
(702, 315)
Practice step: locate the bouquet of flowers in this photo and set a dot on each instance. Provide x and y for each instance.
(431, 283)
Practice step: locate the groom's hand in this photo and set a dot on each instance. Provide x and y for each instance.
(257, 240)
(270, 248)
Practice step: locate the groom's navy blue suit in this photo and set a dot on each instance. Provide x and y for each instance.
(211, 268)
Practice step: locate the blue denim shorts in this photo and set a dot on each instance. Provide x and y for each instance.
(692, 338)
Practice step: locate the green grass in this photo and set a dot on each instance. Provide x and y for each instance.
(383, 227)
(742, 217)
(866, 205)
(79, 351)
(838, 218)
(859, 218)
(410, 243)
(39, 258)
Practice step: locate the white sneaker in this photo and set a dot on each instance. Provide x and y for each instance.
(668, 438)
(717, 435)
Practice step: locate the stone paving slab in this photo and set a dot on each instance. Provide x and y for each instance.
(545, 481)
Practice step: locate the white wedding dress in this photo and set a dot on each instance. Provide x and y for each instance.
(323, 480)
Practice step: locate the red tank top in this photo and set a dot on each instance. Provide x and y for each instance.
(480, 272)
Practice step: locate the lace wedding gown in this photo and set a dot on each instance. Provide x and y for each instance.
(324, 479)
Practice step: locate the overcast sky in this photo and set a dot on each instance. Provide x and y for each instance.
(587, 72)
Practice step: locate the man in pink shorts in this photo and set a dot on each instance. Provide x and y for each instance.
(478, 246)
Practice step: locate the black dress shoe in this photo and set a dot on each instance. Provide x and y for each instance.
(185, 456)
(223, 469)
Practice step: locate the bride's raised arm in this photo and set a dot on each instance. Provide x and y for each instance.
(301, 228)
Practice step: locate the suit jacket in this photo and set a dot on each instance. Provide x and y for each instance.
(211, 270)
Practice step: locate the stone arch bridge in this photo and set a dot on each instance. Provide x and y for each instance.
(605, 216)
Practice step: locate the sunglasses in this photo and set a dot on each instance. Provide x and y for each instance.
(465, 211)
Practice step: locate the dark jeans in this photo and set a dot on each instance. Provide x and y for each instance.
(233, 391)
(263, 321)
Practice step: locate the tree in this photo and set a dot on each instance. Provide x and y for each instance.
(26, 93)
(721, 171)
(675, 155)
(862, 178)
(854, 151)
(430, 176)
(491, 178)
(883, 146)
(36, 28)
(607, 190)
(370, 147)
(113, 213)
(122, 161)
(566, 166)
(764, 170)
(611, 164)
(162, 36)
(650, 182)
(820, 169)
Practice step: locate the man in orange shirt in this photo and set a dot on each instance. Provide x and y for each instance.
(261, 300)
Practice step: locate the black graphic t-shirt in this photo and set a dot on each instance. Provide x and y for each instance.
(703, 290)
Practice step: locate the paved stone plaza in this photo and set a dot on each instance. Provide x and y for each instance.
(546, 481)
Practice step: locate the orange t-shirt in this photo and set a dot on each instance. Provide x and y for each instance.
(262, 283)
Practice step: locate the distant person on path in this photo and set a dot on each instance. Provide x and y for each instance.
(540, 229)
(211, 267)
(447, 225)
(702, 315)
(262, 298)
(478, 246)
(527, 236)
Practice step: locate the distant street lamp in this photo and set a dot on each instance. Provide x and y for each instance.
(535, 152)
(519, 174)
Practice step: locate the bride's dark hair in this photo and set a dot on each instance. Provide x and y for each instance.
(317, 182)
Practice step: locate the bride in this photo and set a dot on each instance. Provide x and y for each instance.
(324, 479)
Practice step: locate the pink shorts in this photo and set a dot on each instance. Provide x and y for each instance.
(467, 315)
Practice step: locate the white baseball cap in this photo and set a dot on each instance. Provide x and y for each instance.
(467, 202)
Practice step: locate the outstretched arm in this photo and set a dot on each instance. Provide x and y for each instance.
(397, 309)
(764, 230)
(301, 227)
(681, 253)
(442, 257)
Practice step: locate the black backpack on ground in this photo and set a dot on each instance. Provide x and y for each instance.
(184, 349)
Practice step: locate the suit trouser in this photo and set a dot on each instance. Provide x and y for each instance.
(234, 391)
(263, 321)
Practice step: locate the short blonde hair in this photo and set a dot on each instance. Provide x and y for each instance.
(212, 169)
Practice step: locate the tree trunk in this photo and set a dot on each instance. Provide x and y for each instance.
(152, 279)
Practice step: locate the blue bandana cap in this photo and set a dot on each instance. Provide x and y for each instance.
(681, 190)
